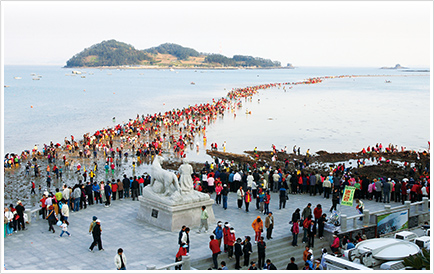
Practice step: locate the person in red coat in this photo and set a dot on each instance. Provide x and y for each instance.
(317, 213)
(181, 252)
(231, 242)
(215, 249)
(404, 190)
(295, 230)
(226, 230)
(114, 190)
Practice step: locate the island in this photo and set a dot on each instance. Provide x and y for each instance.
(397, 66)
(112, 53)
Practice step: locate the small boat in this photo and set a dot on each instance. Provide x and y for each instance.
(171, 69)
(83, 76)
(76, 72)
(40, 76)
(17, 78)
(36, 78)
(32, 74)
(6, 86)
(193, 83)
(387, 81)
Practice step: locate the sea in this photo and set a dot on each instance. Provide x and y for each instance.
(49, 103)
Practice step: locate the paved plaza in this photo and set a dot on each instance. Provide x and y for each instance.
(143, 244)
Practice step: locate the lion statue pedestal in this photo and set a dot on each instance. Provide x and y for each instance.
(169, 205)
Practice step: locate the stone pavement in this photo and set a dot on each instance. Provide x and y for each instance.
(143, 244)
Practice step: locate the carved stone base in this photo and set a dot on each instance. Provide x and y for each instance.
(156, 210)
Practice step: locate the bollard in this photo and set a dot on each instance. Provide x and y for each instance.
(29, 215)
(186, 265)
(150, 267)
(343, 222)
(425, 204)
(355, 223)
(366, 217)
(407, 204)
(387, 207)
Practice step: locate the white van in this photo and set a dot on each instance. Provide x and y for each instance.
(406, 236)
(423, 242)
(335, 263)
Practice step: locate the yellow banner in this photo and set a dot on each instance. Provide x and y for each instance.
(348, 196)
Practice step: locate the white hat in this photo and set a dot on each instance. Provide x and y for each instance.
(97, 221)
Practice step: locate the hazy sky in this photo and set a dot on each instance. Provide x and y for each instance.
(302, 33)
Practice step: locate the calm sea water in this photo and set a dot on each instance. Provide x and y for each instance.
(336, 115)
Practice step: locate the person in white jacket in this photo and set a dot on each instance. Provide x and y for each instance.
(65, 212)
(9, 227)
(120, 260)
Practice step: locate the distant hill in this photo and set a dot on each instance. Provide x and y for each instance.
(108, 53)
(178, 51)
(114, 53)
(397, 66)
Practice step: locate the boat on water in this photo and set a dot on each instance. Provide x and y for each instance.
(83, 76)
(387, 81)
(36, 78)
(171, 69)
(32, 74)
(76, 72)
(17, 78)
(193, 83)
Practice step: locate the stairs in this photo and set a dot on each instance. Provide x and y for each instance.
(279, 251)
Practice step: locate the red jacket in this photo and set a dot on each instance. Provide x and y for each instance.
(226, 232)
(295, 228)
(181, 252)
(114, 187)
(336, 242)
(214, 246)
(267, 200)
(317, 212)
(231, 239)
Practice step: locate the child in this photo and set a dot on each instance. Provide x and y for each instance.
(64, 227)
(181, 252)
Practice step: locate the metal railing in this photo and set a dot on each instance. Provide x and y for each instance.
(420, 209)
(185, 263)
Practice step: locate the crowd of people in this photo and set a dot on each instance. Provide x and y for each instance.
(172, 132)
(178, 126)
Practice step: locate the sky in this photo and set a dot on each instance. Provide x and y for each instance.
(365, 34)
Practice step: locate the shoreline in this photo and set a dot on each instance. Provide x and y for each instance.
(17, 183)
(173, 67)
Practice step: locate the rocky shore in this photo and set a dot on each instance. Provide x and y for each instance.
(18, 184)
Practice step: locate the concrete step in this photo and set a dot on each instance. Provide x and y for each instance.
(279, 251)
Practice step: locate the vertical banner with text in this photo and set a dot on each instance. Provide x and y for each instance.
(348, 196)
